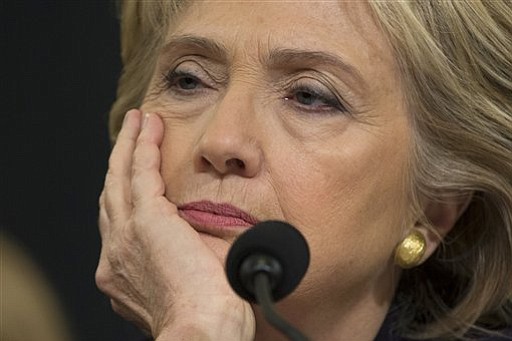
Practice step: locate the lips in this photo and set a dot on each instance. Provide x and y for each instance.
(207, 216)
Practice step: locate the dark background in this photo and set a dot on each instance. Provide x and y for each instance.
(60, 63)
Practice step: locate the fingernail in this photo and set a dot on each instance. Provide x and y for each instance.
(145, 120)
(128, 113)
(125, 118)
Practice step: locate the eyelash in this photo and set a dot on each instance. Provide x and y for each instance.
(172, 78)
(332, 103)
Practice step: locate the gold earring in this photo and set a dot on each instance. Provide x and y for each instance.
(410, 251)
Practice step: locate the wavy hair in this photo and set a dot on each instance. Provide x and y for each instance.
(455, 59)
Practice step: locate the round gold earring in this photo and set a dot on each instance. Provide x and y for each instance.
(410, 251)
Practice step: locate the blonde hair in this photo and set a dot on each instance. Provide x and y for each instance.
(456, 63)
(455, 59)
(144, 25)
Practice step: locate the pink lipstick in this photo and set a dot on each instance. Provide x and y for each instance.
(206, 215)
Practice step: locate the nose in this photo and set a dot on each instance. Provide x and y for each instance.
(230, 143)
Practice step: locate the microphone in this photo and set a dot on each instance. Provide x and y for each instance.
(265, 264)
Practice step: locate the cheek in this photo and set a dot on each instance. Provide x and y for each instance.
(176, 151)
(349, 204)
(342, 190)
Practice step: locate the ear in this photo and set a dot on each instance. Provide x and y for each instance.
(442, 216)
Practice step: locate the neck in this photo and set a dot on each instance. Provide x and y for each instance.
(355, 317)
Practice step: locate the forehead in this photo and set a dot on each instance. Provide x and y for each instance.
(253, 30)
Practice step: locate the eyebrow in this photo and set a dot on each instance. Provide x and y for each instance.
(292, 57)
(287, 57)
(196, 43)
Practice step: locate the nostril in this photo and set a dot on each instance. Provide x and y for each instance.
(205, 161)
(236, 163)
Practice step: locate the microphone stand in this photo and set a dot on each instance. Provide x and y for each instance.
(263, 295)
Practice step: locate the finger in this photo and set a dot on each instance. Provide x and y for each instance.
(117, 182)
(146, 179)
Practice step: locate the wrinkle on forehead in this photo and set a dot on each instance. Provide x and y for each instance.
(328, 25)
(249, 31)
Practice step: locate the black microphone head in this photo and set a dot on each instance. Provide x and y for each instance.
(278, 240)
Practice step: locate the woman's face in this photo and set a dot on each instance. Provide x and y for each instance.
(290, 111)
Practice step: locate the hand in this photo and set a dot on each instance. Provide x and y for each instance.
(155, 267)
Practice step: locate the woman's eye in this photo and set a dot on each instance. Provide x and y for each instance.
(313, 100)
(183, 83)
(306, 98)
(187, 83)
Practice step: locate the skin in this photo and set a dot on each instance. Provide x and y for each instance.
(231, 128)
